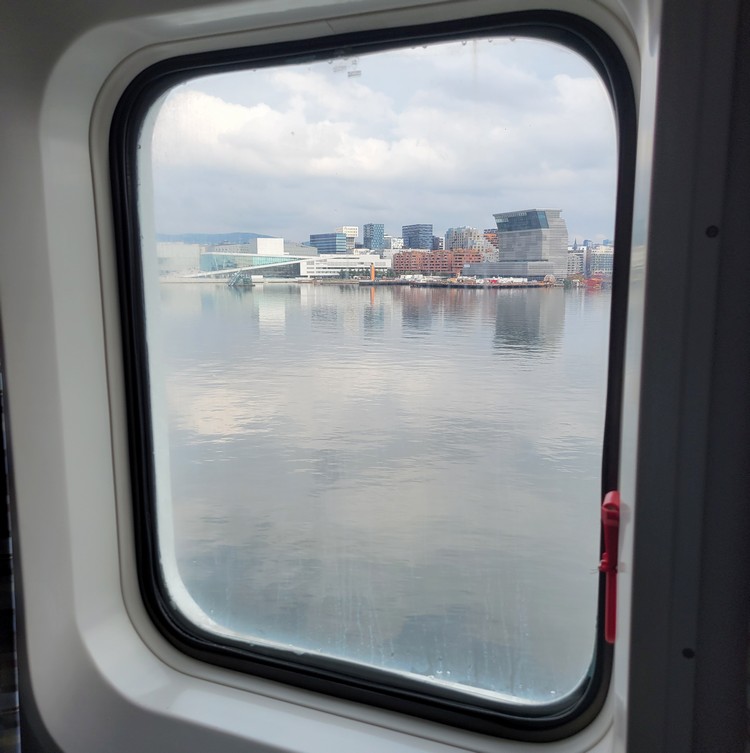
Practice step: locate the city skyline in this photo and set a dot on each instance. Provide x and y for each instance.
(580, 239)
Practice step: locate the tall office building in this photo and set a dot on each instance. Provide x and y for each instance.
(374, 236)
(417, 236)
(533, 244)
(329, 243)
(351, 232)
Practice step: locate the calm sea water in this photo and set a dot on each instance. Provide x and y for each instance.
(403, 477)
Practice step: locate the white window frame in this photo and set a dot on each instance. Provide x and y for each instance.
(95, 673)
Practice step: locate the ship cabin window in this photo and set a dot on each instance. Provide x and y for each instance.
(368, 358)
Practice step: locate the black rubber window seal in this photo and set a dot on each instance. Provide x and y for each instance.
(339, 678)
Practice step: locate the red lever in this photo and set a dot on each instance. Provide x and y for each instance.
(608, 565)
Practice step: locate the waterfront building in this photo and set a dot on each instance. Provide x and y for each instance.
(391, 242)
(263, 246)
(337, 265)
(227, 248)
(329, 243)
(533, 244)
(185, 259)
(434, 262)
(374, 236)
(408, 261)
(471, 239)
(576, 265)
(461, 237)
(600, 261)
(351, 232)
(417, 236)
(218, 264)
(267, 256)
(490, 235)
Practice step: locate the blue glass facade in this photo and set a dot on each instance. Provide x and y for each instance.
(329, 243)
(533, 219)
(417, 236)
(374, 236)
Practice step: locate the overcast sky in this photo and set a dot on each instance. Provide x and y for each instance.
(447, 134)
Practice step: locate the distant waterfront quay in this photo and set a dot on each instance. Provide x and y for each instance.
(466, 284)
(436, 283)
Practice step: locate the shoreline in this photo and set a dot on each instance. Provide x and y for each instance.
(363, 283)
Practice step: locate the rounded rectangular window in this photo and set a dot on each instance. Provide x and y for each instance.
(368, 310)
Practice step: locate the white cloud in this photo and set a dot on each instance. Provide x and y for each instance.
(453, 138)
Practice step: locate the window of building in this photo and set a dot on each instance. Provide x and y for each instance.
(379, 487)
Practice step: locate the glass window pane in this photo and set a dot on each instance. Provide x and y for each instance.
(378, 294)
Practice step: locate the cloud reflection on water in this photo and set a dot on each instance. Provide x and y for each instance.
(363, 493)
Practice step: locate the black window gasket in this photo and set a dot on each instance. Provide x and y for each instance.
(331, 676)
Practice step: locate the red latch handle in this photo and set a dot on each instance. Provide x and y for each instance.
(608, 565)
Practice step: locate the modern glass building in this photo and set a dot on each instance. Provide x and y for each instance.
(417, 236)
(533, 244)
(329, 243)
(222, 264)
(374, 236)
(351, 232)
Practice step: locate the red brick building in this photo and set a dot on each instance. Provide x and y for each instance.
(434, 262)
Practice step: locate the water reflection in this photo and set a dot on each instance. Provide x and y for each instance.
(417, 309)
(423, 506)
(529, 322)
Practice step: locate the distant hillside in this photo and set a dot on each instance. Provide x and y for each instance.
(208, 239)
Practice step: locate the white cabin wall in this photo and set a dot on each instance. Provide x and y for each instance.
(682, 288)
(93, 668)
